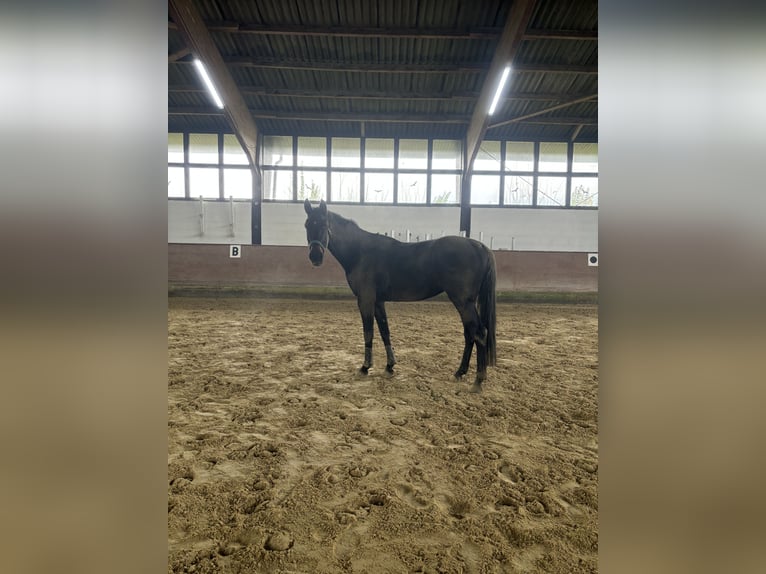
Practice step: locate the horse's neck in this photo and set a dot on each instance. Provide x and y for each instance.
(345, 241)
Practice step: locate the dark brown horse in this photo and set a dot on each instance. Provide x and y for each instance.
(380, 269)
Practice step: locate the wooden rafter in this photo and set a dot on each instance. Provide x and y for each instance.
(576, 132)
(362, 67)
(510, 40)
(178, 54)
(556, 68)
(477, 33)
(198, 39)
(562, 121)
(342, 94)
(560, 35)
(516, 24)
(329, 117)
(380, 118)
(544, 111)
(366, 67)
(483, 33)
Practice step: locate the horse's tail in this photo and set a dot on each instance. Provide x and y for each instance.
(487, 307)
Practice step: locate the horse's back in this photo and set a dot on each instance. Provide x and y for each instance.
(459, 253)
(453, 264)
(415, 271)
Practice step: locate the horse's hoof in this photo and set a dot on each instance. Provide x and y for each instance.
(362, 372)
(389, 371)
(476, 388)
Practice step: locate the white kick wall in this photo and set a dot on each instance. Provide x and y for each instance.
(536, 229)
(195, 221)
(282, 224)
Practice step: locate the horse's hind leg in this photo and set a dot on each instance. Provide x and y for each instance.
(481, 365)
(385, 334)
(473, 332)
(467, 350)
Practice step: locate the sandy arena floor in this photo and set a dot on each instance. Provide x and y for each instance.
(282, 459)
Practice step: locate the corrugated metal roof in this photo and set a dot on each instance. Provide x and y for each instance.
(410, 69)
(565, 15)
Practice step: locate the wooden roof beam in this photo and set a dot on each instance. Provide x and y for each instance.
(477, 33)
(230, 27)
(341, 94)
(561, 35)
(423, 68)
(178, 54)
(562, 121)
(362, 67)
(386, 118)
(513, 31)
(510, 40)
(543, 111)
(330, 117)
(198, 39)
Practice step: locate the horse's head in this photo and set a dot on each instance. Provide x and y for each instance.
(317, 231)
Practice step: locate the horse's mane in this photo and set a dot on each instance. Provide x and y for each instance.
(349, 226)
(337, 218)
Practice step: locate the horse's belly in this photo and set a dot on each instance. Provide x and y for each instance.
(412, 293)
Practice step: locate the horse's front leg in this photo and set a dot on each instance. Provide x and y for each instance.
(385, 335)
(367, 310)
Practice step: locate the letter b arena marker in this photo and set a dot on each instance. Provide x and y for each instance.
(234, 251)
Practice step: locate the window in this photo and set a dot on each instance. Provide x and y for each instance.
(447, 154)
(379, 153)
(413, 154)
(345, 152)
(278, 185)
(203, 148)
(445, 188)
(535, 174)
(488, 156)
(175, 148)
(312, 185)
(553, 157)
(176, 187)
(379, 187)
(584, 192)
(585, 158)
(233, 154)
(518, 190)
(237, 183)
(506, 173)
(345, 186)
(412, 188)
(203, 182)
(551, 191)
(278, 150)
(312, 152)
(520, 156)
(485, 190)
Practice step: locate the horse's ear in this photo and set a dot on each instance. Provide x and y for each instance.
(323, 207)
(307, 206)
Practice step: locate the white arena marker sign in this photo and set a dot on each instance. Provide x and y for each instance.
(235, 251)
(592, 259)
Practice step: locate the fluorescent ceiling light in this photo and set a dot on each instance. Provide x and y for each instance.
(500, 87)
(210, 88)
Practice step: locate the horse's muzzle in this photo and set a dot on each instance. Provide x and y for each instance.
(316, 255)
